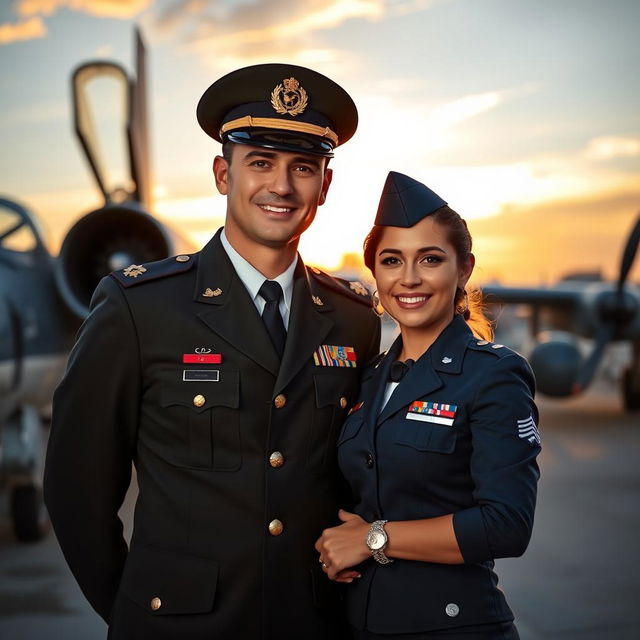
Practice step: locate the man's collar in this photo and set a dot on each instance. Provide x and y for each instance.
(252, 278)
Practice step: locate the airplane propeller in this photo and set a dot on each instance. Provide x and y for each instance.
(615, 310)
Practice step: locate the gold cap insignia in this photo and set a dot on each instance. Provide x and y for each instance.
(359, 288)
(133, 270)
(289, 98)
(210, 293)
(317, 300)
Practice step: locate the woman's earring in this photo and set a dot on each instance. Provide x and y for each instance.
(377, 307)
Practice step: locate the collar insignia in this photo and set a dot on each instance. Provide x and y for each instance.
(211, 293)
(289, 98)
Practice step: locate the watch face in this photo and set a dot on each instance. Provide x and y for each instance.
(376, 540)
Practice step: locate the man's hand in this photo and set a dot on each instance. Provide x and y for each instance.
(343, 547)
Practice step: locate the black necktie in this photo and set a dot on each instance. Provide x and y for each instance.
(271, 292)
(399, 369)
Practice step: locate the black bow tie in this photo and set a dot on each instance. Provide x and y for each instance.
(399, 369)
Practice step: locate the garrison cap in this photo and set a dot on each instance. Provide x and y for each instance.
(405, 201)
(279, 106)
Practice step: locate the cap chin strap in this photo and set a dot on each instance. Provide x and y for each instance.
(285, 125)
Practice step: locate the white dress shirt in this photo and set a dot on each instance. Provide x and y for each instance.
(253, 280)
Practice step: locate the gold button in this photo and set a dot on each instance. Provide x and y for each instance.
(156, 603)
(343, 403)
(276, 527)
(199, 400)
(182, 258)
(279, 401)
(276, 459)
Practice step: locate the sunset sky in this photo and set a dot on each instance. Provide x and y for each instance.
(523, 114)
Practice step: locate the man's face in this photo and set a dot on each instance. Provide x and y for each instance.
(272, 196)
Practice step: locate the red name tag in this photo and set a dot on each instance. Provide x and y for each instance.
(198, 358)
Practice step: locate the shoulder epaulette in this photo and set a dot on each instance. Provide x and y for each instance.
(496, 348)
(139, 273)
(350, 288)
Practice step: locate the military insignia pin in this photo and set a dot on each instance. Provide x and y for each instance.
(359, 288)
(211, 293)
(317, 300)
(356, 407)
(437, 412)
(289, 98)
(134, 270)
(328, 355)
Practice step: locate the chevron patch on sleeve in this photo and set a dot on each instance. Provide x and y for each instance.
(528, 430)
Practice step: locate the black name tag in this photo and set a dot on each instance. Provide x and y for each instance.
(201, 375)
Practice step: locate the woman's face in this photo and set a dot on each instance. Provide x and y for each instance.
(417, 274)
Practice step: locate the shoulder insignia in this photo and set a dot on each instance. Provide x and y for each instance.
(133, 270)
(359, 288)
(138, 273)
(353, 290)
(489, 347)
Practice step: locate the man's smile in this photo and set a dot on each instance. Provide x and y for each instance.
(275, 209)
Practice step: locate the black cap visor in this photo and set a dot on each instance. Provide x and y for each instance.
(282, 140)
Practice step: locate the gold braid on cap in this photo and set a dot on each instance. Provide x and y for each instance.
(284, 125)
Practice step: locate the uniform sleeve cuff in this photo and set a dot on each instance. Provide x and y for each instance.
(471, 535)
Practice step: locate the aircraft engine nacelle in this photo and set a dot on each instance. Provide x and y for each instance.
(556, 362)
(104, 240)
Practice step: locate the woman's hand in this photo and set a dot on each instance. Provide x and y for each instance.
(343, 547)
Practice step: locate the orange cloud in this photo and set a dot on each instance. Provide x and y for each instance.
(543, 242)
(280, 28)
(25, 30)
(102, 8)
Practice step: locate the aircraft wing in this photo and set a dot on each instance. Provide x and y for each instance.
(559, 298)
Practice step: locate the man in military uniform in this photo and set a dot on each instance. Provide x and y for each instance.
(224, 376)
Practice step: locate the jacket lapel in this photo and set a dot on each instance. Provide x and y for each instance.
(228, 309)
(308, 327)
(378, 383)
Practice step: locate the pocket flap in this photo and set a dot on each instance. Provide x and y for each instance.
(166, 583)
(330, 388)
(224, 393)
(425, 436)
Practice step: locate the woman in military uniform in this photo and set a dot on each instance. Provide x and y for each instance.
(440, 449)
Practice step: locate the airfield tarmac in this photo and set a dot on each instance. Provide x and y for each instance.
(577, 581)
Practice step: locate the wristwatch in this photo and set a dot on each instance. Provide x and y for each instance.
(377, 541)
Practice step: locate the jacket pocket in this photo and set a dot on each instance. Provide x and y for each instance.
(424, 436)
(334, 393)
(205, 423)
(166, 583)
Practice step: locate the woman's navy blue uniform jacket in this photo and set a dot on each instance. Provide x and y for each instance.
(458, 435)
